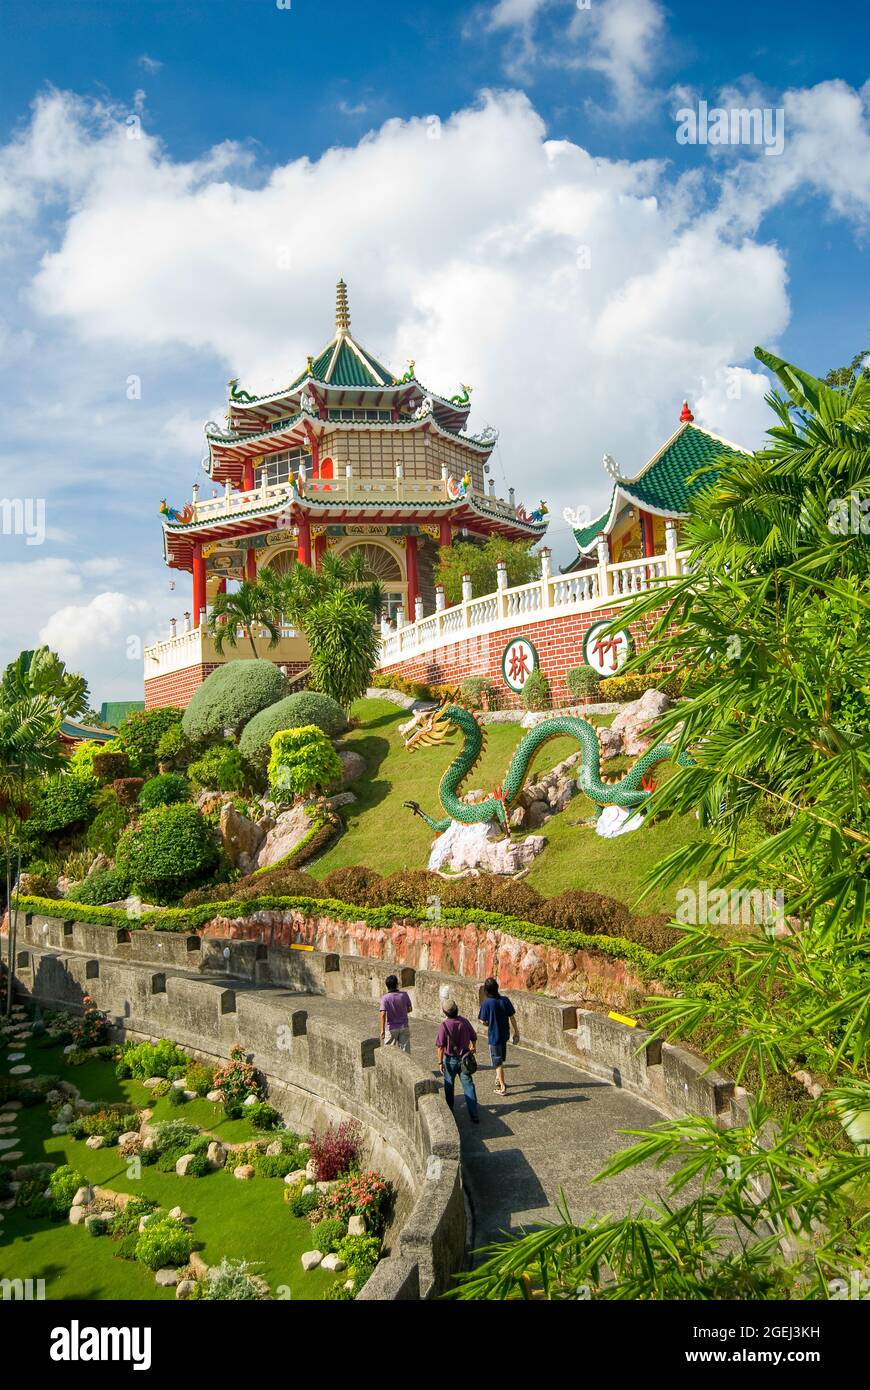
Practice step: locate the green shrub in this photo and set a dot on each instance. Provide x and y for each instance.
(62, 802)
(230, 697)
(198, 1167)
(165, 789)
(164, 1242)
(302, 761)
(126, 1219)
(153, 1059)
(200, 1078)
(108, 824)
(492, 893)
(304, 1202)
(140, 734)
(327, 1235)
(105, 886)
(583, 683)
(220, 768)
(479, 693)
(360, 1254)
(176, 1096)
(232, 1281)
(108, 766)
(109, 1122)
(536, 691)
(263, 1116)
(65, 1183)
(81, 759)
(170, 850)
(632, 686)
(408, 887)
(173, 747)
(293, 712)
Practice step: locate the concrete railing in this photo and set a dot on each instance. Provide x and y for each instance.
(551, 596)
(196, 647)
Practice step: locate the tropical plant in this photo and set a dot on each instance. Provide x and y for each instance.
(140, 733)
(29, 749)
(481, 563)
(255, 605)
(230, 697)
(42, 673)
(336, 608)
(771, 630)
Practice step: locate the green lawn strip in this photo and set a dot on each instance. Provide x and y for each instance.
(239, 1219)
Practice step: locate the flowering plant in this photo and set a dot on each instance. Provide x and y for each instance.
(360, 1194)
(92, 1028)
(237, 1078)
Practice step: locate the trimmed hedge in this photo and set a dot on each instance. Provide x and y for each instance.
(230, 697)
(166, 789)
(293, 712)
(631, 687)
(648, 965)
(172, 848)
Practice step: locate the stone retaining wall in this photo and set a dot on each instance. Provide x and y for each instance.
(322, 1071)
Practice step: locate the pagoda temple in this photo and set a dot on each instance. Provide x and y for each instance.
(347, 457)
(644, 515)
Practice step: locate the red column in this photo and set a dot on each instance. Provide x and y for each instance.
(413, 575)
(198, 581)
(445, 527)
(251, 565)
(646, 530)
(303, 545)
(248, 482)
(319, 551)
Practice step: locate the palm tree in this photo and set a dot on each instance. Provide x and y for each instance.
(336, 607)
(29, 747)
(256, 603)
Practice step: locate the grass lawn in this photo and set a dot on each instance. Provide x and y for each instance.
(382, 834)
(243, 1220)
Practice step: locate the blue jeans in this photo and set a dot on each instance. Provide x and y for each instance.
(452, 1067)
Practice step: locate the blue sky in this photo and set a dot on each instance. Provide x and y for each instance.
(455, 163)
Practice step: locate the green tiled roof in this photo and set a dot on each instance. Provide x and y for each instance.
(668, 482)
(112, 712)
(585, 535)
(73, 729)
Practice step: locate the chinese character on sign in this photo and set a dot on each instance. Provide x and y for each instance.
(519, 660)
(606, 651)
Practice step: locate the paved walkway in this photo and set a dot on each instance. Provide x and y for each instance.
(555, 1129)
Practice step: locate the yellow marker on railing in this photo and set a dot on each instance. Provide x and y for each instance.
(621, 1018)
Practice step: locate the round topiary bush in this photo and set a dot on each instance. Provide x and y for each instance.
(356, 883)
(105, 886)
(141, 732)
(490, 893)
(230, 697)
(62, 802)
(293, 712)
(164, 790)
(171, 850)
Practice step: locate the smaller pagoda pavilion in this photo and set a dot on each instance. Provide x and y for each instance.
(645, 511)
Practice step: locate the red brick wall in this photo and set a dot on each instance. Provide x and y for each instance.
(558, 642)
(177, 687)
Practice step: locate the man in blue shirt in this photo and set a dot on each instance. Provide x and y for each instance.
(497, 1012)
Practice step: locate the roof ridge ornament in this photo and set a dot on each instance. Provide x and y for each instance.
(686, 416)
(612, 467)
(342, 308)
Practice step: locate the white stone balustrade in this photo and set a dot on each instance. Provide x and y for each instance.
(399, 489)
(551, 596)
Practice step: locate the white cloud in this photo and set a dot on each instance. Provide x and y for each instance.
(149, 64)
(103, 638)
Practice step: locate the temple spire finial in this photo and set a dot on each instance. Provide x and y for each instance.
(686, 416)
(342, 310)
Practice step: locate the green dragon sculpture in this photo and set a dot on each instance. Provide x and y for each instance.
(628, 792)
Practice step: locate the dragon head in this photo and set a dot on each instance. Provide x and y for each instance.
(428, 726)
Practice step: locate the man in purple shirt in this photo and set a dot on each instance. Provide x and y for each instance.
(456, 1039)
(395, 1006)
